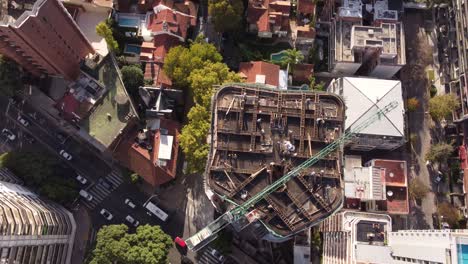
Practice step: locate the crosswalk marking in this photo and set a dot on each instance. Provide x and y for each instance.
(100, 192)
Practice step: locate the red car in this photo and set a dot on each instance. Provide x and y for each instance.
(179, 241)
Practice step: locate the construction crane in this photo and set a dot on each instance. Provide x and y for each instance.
(208, 233)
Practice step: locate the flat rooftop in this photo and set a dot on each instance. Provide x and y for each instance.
(260, 134)
(111, 113)
(10, 10)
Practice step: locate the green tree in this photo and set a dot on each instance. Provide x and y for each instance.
(133, 77)
(193, 138)
(412, 104)
(42, 172)
(417, 190)
(181, 61)
(441, 106)
(103, 30)
(10, 77)
(291, 57)
(114, 245)
(439, 152)
(202, 81)
(449, 214)
(226, 14)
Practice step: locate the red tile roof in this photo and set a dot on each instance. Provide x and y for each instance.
(155, 72)
(302, 72)
(260, 12)
(169, 21)
(144, 162)
(305, 32)
(305, 7)
(251, 69)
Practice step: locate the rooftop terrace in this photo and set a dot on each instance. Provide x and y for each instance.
(259, 134)
(111, 113)
(11, 10)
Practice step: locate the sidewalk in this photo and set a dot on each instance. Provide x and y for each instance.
(83, 228)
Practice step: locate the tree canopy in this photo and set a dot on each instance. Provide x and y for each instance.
(417, 190)
(226, 14)
(181, 61)
(103, 29)
(10, 76)
(291, 57)
(193, 138)
(114, 245)
(133, 77)
(197, 68)
(449, 214)
(441, 106)
(439, 152)
(202, 81)
(43, 172)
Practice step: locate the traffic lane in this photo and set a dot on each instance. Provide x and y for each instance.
(81, 154)
(84, 167)
(115, 204)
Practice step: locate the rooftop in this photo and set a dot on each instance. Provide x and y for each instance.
(259, 138)
(10, 10)
(268, 14)
(363, 94)
(109, 114)
(384, 36)
(152, 153)
(260, 72)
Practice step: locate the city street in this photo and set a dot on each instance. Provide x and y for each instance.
(184, 201)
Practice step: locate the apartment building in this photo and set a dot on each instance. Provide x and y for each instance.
(379, 186)
(32, 230)
(42, 37)
(359, 237)
(358, 46)
(363, 97)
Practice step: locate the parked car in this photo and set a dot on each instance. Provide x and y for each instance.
(61, 137)
(217, 255)
(8, 134)
(132, 221)
(28, 138)
(107, 215)
(65, 155)
(23, 121)
(180, 242)
(130, 203)
(81, 179)
(105, 183)
(86, 195)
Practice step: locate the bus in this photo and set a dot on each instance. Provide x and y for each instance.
(156, 211)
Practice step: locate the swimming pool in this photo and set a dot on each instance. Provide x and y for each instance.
(129, 22)
(277, 57)
(131, 48)
(462, 254)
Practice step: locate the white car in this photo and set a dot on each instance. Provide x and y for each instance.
(81, 179)
(107, 215)
(65, 155)
(132, 221)
(86, 195)
(217, 255)
(23, 121)
(129, 203)
(8, 134)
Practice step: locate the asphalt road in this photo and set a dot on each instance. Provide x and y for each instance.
(92, 167)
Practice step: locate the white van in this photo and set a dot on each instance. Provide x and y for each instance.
(156, 211)
(86, 195)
